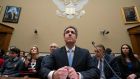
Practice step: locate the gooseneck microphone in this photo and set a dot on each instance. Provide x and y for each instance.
(93, 43)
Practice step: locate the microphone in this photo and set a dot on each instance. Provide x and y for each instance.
(93, 43)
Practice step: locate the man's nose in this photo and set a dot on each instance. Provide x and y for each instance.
(69, 34)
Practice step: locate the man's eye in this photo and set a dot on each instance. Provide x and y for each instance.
(67, 32)
(70, 31)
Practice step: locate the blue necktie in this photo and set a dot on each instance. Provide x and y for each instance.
(70, 57)
(100, 66)
(102, 76)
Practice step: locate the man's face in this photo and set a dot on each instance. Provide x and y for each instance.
(53, 47)
(99, 51)
(70, 36)
(12, 54)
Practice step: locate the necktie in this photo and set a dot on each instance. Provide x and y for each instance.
(102, 76)
(100, 66)
(70, 57)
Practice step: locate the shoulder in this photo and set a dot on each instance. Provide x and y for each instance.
(82, 49)
(94, 58)
(40, 57)
(116, 59)
(59, 50)
(108, 57)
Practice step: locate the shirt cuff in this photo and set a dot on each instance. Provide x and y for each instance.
(50, 74)
(80, 75)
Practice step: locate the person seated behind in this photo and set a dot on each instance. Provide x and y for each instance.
(32, 64)
(52, 47)
(126, 65)
(13, 65)
(70, 61)
(101, 60)
(1, 57)
(109, 52)
(22, 55)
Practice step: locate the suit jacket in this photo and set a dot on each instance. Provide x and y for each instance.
(106, 68)
(82, 62)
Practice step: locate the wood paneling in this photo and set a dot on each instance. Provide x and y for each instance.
(5, 36)
(134, 34)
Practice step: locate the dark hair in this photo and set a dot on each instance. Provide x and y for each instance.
(15, 50)
(100, 45)
(1, 53)
(108, 50)
(76, 32)
(130, 53)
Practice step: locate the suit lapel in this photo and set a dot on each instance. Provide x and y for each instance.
(76, 57)
(64, 56)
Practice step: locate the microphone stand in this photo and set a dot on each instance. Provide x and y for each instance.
(93, 43)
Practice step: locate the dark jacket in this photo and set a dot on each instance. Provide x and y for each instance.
(82, 63)
(12, 67)
(122, 70)
(106, 62)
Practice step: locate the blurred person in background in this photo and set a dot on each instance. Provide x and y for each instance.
(1, 57)
(32, 63)
(22, 55)
(101, 61)
(109, 52)
(13, 65)
(52, 47)
(126, 65)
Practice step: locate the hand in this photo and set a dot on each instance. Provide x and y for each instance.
(4, 75)
(131, 76)
(72, 73)
(61, 73)
(32, 70)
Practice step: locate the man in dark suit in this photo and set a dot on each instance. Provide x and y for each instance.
(101, 60)
(59, 66)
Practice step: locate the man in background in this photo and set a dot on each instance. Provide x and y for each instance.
(13, 65)
(101, 60)
(52, 47)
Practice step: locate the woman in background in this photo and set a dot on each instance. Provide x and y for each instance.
(32, 64)
(126, 65)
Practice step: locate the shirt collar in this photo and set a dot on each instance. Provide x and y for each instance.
(67, 49)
